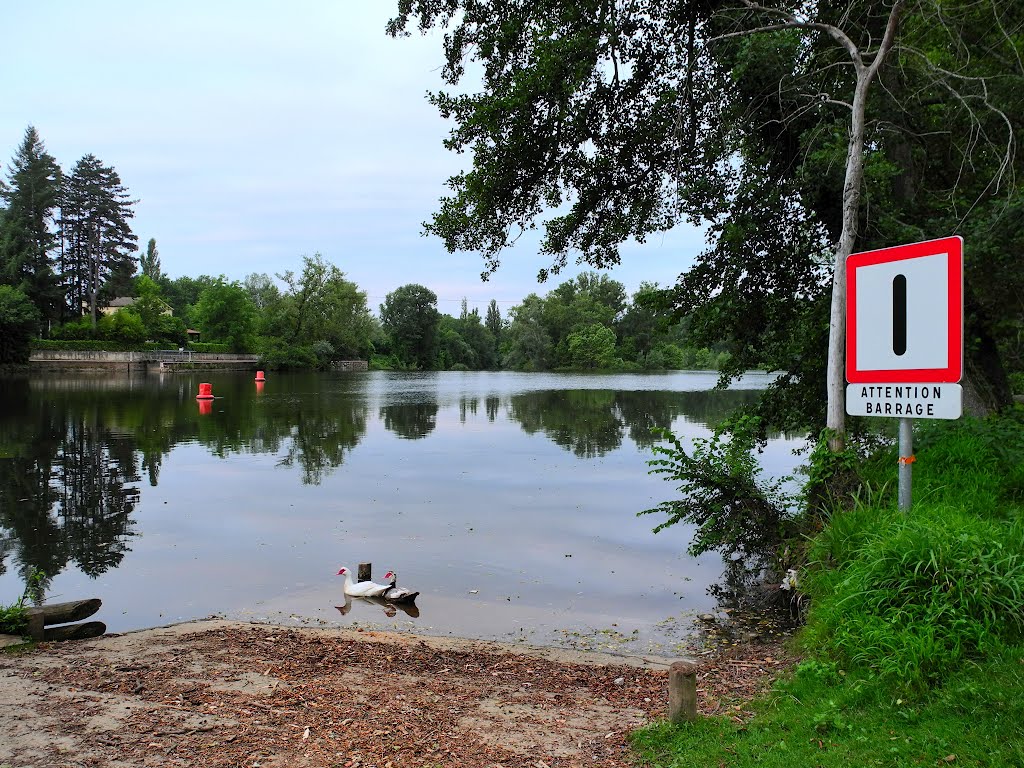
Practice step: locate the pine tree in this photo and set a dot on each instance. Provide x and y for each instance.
(98, 240)
(27, 232)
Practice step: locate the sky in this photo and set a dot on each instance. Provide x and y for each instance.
(255, 133)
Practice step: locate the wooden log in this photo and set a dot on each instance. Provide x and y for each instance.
(59, 613)
(75, 631)
(62, 613)
(364, 573)
(682, 692)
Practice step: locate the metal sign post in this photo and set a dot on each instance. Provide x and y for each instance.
(906, 460)
(904, 338)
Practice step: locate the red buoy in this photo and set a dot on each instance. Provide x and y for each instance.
(205, 407)
(205, 392)
(260, 376)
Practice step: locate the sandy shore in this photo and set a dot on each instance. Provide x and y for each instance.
(222, 693)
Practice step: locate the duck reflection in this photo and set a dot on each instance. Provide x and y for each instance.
(390, 609)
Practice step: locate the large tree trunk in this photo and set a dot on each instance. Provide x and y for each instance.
(835, 416)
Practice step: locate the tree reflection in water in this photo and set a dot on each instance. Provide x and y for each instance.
(75, 451)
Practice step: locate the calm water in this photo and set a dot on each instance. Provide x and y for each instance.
(509, 500)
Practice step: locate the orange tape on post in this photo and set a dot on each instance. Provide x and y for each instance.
(907, 459)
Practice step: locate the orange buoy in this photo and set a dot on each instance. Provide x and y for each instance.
(205, 392)
(260, 376)
(205, 407)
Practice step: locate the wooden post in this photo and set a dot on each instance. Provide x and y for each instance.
(365, 569)
(682, 692)
(35, 624)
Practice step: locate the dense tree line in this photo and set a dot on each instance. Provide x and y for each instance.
(67, 249)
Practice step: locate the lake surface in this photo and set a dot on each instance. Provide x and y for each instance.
(509, 500)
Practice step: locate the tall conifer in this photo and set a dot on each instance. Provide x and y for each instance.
(28, 236)
(97, 258)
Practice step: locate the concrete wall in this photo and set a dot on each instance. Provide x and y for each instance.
(350, 365)
(131, 361)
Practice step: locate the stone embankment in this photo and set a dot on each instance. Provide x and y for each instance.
(140, 361)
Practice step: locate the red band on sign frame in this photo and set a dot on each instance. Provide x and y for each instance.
(953, 372)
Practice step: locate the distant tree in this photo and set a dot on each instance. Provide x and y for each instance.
(225, 313)
(182, 293)
(452, 349)
(527, 343)
(269, 302)
(149, 262)
(262, 290)
(576, 304)
(494, 323)
(27, 232)
(324, 306)
(153, 311)
(642, 326)
(480, 339)
(410, 319)
(18, 321)
(591, 347)
(98, 239)
(464, 342)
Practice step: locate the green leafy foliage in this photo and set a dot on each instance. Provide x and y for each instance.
(410, 319)
(122, 326)
(224, 313)
(18, 321)
(721, 491)
(592, 346)
(13, 617)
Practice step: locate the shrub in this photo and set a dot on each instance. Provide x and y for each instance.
(276, 355)
(722, 492)
(122, 326)
(921, 593)
(76, 330)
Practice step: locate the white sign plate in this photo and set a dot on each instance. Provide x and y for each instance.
(900, 400)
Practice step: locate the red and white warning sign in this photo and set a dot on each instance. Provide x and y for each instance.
(904, 326)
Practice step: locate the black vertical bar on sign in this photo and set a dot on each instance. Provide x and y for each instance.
(899, 314)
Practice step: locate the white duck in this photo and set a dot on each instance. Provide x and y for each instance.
(395, 594)
(362, 588)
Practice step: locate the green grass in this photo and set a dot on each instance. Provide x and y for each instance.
(821, 718)
(914, 645)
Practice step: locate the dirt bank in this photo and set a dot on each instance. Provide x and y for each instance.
(218, 693)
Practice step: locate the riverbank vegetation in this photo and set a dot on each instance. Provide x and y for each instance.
(913, 648)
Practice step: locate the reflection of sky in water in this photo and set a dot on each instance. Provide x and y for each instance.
(499, 528)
